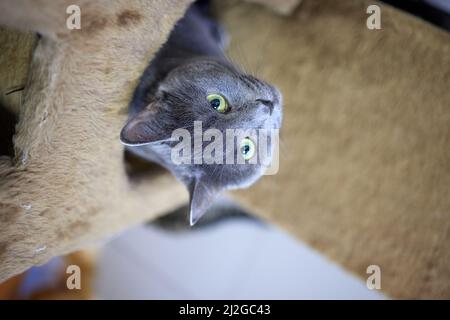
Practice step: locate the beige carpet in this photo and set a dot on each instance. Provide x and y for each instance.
(365, 151)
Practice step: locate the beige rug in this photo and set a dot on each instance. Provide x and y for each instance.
(365, 151)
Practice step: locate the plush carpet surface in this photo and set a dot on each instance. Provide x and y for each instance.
(365, 148)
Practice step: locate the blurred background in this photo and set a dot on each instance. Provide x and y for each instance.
(231, 255)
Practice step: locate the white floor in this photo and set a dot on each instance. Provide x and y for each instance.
(235, 260)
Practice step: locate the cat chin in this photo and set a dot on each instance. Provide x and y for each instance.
(244, 184)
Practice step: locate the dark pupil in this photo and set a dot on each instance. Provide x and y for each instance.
(245, 149)
(215, 103)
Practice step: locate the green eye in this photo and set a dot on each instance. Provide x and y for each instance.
(217, 102)
(247, 148)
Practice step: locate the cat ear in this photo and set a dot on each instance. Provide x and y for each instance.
(143, 128)
(202, 196)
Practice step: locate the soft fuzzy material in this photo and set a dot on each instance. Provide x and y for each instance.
(67, 185)
(365, 148)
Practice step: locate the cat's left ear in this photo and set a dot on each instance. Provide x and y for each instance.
(202, 196)
(143, 128)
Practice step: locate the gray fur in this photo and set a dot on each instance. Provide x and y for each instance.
(172, 94)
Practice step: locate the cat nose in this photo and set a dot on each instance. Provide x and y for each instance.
(268, 104)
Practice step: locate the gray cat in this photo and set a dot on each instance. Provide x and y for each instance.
(191, 79)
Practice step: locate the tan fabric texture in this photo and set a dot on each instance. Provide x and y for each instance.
(284, 7)
(365, 148)
(67, 185)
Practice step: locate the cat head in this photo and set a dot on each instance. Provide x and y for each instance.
(216, 121)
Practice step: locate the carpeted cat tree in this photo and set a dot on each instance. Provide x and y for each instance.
(365, 156)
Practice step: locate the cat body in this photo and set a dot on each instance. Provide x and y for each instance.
(189, 82)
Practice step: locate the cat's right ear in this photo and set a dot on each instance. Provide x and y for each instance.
(202, 196)
(144, 128)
